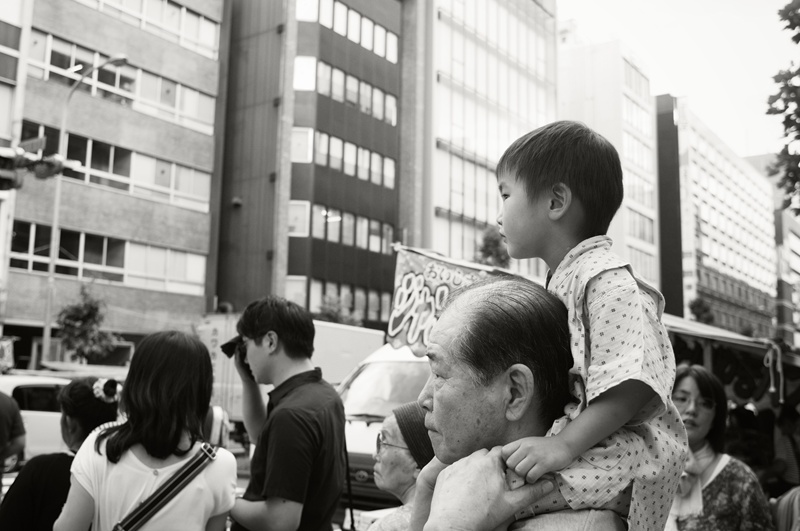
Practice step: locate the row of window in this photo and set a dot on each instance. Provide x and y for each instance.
(122, 169)
(637, 116)
(755, 269)
(337, 154)
(640, 226)
(637, 82)
(462, 187)
(52, 58)
(637, 152)
(639, 189)
(310, 74)
(92, 256)
(166, 19)
(506, 26)
(362, 303)
(338, 226)
(644, 264)
(351, 24)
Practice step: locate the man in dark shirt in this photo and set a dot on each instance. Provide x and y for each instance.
(297, 470)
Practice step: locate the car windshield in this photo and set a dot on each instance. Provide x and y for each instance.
(380, 387)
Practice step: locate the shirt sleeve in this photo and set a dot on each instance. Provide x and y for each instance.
(85, 465)
(627, 340)
(224, 482)
(292, 445)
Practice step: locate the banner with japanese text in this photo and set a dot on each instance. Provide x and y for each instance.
(422, 282)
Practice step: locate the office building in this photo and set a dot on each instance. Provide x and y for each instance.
(717, 229)
(607, 87)
(136, 219)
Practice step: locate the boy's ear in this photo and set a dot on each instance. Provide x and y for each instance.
(560, 201)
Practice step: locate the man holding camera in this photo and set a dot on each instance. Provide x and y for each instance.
(298, 467)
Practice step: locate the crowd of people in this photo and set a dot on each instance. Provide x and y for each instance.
(556, 407)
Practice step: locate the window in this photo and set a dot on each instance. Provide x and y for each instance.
(367, 29)
(304, 72)
(373, 305)
(340, 18)
(386, 306)
(379, 46)
(323, 79)
(298, 218)
(337, 85)
(377, 103)
(307, 10)
(302, 145)
(362, 232)
(352, 91)
(360, 301)
(365, 99)
(326, 19)
(391, 110)
(354, 26)
(318, 220)
(388, 238)
(349, 158)
(348, 228)
(375, 167)
(374, 236)
(388, 172)
(321, 157)
(334, 223)
(363, 164)
(391, 47)
(336, 153)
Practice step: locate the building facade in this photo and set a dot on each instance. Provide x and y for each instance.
(606, 87)
(717, 232)
(135, 221)
(477, 75)
(310, 203)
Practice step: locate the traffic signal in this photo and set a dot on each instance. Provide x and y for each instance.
(15, 162)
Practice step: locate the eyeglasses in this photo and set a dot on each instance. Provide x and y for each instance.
(682, 402)
(380, 441)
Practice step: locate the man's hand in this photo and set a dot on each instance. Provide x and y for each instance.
(472, 494)
(426, 482)
(242, 367)
(532, 457)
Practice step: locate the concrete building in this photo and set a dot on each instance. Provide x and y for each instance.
(477, 75)
(310, 200)
(137, 219)
(717, 229)
(606, 87)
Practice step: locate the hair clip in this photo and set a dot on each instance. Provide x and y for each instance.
(100, 392)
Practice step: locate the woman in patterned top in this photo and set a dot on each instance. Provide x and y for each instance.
(716, 491)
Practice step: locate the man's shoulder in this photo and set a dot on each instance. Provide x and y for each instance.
(602, 520)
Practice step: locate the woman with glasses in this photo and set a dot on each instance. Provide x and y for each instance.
(403, 448)
(716, 491)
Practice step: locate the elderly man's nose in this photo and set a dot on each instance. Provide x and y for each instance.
(424, 398)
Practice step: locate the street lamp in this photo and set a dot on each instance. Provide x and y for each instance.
(114, 60)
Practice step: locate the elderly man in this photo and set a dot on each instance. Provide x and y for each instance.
(500, 359)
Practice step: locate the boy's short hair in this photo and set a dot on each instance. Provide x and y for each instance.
(573, 154)
(293, 324)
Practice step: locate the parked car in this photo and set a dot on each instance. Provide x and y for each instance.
(386, 379)
(41, 414)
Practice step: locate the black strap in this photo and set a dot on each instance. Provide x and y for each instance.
(349, 487)
(149, 507)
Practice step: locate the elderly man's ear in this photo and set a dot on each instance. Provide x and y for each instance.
(520, 391)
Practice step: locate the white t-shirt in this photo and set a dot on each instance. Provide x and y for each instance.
(117, 488)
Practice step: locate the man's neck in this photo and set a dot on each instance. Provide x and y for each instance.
(288, 367)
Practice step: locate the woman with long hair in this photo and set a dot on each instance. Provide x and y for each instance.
(165, 399)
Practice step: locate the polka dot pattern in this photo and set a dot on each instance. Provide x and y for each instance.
(617, 335)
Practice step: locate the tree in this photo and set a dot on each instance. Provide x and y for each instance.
(333, 311)
(701, 311)
(786, 102)
(80, 329)
(493, 250)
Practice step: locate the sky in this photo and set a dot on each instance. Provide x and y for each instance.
(718, 54)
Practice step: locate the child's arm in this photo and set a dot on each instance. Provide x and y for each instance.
(534, 456)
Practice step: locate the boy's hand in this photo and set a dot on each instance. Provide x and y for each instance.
(533, 457)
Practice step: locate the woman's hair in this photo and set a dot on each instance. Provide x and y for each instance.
(167, 392)
(80, 402)
(712, 389)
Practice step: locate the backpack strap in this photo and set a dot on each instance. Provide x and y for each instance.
(156, 501)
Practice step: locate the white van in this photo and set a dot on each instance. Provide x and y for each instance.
(386, 379)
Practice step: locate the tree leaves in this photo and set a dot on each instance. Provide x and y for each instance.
(80, 328)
